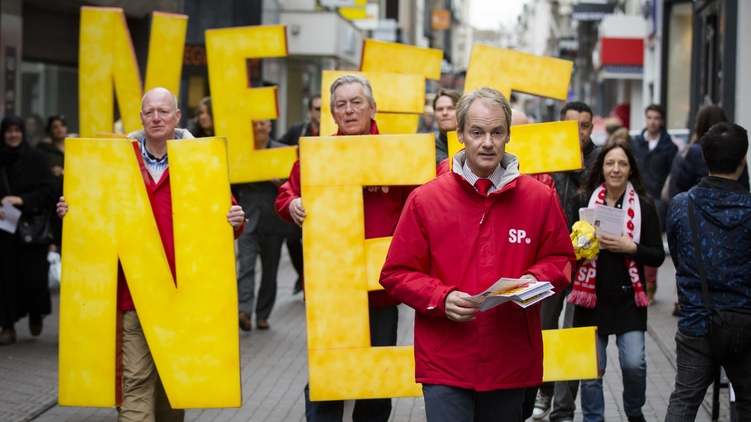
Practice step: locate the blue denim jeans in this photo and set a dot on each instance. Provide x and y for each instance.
(696, 370)
(633, 362)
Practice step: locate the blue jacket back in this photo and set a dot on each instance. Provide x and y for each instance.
(723, 217)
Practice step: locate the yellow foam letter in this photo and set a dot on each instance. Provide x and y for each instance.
(391, 57)
(341, 265)
(235, 104)
(106, 55)
(191, 329)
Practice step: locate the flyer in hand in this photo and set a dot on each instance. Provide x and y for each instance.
(523, 292)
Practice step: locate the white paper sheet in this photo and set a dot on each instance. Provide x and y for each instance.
(12, 215)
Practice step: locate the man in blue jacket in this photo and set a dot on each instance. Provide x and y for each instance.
(722, 210)
(654, 152)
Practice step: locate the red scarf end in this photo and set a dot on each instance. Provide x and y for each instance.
(641, 299)
(583, 299)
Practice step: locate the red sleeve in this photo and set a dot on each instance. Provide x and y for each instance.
(239, 231)
(555, 257)
(443, 168)
(288, 192)
(405, 275)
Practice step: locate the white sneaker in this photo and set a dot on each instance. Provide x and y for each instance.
(542, 407)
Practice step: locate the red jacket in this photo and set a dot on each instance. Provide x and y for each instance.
(160, 196)
(450, 237)
(382, 207)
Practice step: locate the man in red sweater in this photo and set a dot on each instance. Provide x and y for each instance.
(353, 108)
(459, 234)
(144, 397)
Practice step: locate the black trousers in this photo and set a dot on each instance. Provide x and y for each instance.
(452, 404)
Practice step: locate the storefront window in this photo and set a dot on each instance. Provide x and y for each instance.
(48, 90)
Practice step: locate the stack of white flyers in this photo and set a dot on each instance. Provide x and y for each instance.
(523, 292)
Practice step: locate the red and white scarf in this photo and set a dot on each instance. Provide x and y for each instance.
(584, 293)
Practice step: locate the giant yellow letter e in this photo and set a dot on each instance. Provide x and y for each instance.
(339, 261)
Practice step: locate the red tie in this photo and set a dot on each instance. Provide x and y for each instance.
(483, 185)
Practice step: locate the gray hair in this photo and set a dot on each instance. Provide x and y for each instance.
(352, 79)
(489, 96)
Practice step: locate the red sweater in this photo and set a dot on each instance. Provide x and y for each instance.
(382, 208)
(160, 196)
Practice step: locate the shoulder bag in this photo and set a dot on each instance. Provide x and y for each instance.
(729, 329)
(33, 229)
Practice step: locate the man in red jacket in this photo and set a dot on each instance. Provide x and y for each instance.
(353, 108)
(459, 234)
(144, 397)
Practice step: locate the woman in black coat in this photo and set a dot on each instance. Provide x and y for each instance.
(26, 183)
(609, 291)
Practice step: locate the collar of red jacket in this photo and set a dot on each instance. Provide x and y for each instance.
(373, 129)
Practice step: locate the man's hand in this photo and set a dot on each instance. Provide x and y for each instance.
(532, 279)
(57, 171)
(277, 182)
(296, 211)
(236, 217)
(12, 200)
(460, 309)
(62, 207)
(622, 244)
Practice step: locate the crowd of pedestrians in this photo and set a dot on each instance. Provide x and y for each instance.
(698, 194)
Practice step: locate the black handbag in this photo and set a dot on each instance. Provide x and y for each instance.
(33, 229)
(729, 329)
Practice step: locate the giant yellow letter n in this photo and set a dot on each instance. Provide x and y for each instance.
(191, 328)
(341, 266)
(106, 56)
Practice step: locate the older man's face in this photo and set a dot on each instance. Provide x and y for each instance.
(484, 135)
(158, 115)
(351, 110)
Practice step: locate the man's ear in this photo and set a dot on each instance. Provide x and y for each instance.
(460, 135)
(373, 110)
(178, 114)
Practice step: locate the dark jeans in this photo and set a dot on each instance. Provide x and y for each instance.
(696, 371)
(383, 322)
(452, 404)
(294, 246)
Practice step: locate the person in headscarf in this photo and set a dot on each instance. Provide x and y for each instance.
(27, 184)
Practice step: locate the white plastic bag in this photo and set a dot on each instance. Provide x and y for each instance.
(54, 272)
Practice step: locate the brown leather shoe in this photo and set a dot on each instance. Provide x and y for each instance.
(245, 322)
(262, 324)
(35, 325)
(8, 336)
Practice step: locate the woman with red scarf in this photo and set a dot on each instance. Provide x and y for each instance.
(609, 289)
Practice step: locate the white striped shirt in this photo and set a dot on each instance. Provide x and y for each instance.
(494, 177)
